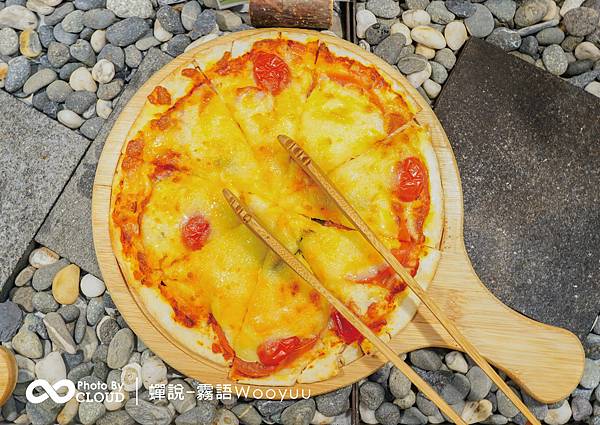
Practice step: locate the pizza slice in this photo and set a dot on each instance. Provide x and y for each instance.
(184, 213)
(212, 290)
(401, 195)
(164, 95)
(359, 277)
(196, 133)
(351, 107)
(273, 346)
(263, 80)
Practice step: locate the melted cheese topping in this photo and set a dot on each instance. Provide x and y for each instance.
(218, 129)
(174, 201)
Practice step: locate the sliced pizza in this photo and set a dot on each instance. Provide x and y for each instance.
(263, 80)
(210, 283)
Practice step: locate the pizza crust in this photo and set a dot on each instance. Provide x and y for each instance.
(243, 46)
(402, 315)
(345, 53)
(207, 58)
(177, 85)
(198, 340)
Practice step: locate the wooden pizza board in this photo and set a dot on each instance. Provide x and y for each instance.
(545, 361)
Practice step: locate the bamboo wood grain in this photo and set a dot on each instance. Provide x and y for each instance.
(303, 159)
(272, 242)
(8, 374)
(545, 361)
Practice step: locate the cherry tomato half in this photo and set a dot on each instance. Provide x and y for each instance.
(271, 72)
(273, 353)
(250, 369)
(195, 232)
(411, 179)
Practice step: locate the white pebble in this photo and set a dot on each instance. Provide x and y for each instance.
(103, 71)
(569, 5)
(69, 119)
(553, 12)
(476, 411)
(428, 36)
(416, 79)
(432, 88)
(131, 377)
(400, 28)
(321, 419)
(81, 79)
(43, 256)
(593, 88)
(560, 415)
(416, 17)
(91, 286)
(364, 19)
(456, 362)
(154, 372)
(116, 400)
(103, 108)
(160, 33)
(455, 34)
(587, 50)
(201, 40)
(39, 6)
(367, 415)
(18, 17)
(51, 368)
(98, 40)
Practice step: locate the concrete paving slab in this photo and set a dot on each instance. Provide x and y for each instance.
(37, 157)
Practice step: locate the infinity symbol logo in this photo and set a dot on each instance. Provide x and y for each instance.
(50, 391)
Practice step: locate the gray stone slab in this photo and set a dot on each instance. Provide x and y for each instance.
(37, 157)
(68, 228)
(528, 149)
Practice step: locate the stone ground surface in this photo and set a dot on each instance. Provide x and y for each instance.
(77, 61)
(62, 323)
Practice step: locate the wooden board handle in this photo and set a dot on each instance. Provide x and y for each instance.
(8, 374)
(316, 14)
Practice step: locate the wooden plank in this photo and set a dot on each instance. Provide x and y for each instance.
(546, 361)
(316, 14)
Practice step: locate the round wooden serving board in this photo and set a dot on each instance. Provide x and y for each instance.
(545, 361)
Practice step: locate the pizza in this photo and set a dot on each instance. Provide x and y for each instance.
(205, 279)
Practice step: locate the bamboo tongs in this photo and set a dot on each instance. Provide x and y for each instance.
(249, 220)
